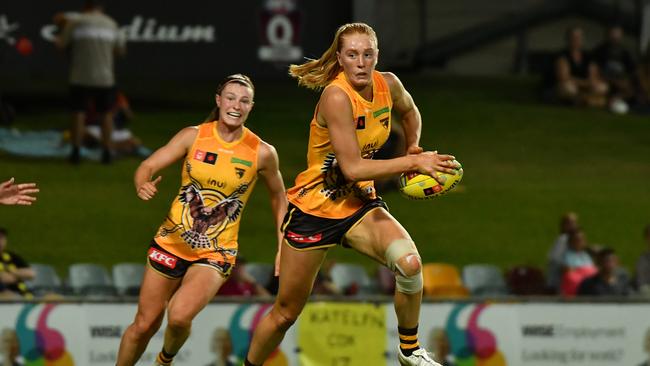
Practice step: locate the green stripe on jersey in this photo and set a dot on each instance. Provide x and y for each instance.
(241, 161)
(375, 114)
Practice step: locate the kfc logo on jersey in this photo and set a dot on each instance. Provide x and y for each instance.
(304, 239)
(162, 258)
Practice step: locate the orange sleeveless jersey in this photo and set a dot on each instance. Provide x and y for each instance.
(217, 179)
(322, 190)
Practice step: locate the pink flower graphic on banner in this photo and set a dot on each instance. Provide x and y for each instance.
(42, 346)
(473, 345)
(242, 333)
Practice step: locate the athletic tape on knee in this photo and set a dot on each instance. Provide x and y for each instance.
(408, 284)
(398, 249)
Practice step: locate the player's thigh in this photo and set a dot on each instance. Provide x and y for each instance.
(374, 234)
(298, 270)
(199, 286)
(155, 291)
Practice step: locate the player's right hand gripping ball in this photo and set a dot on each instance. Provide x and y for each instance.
(418, 186)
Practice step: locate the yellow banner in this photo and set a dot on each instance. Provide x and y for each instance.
(342, 334)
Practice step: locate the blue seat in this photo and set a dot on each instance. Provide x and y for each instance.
(88, 279)
(352, 279)
(261, 272)
(46, 280)
(484, 280)
(127, 278)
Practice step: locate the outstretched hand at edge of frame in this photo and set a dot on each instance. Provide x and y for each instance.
(17, 194)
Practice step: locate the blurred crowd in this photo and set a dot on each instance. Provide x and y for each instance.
(608, 76)
(575, 267)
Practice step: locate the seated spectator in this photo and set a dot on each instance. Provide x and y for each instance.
(124, 141)
(241, 283)
(643, 265)
(385, 280)
(617, 66)
(577, 263)
(609, 280)
(439, 344)
(577, 77)
(568, 224)
(643, 80)
(10, 349)
(221, 346)
(14, 271)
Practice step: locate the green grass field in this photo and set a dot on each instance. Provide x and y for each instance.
(525, 164)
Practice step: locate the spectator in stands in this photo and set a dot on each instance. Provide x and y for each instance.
(577, 263)
(17, 194)
(617, 66)
(241, 283)
(439, 344)
(577, 76)
(10, 349)
(385, 280)
(643, 265)
(123, 140)
(92, 38)
(568, 224)
(221, 346)
(643, 79)
(609, 280)
(14, 271)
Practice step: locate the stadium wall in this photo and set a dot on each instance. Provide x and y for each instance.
(195, 40)
(340, 333)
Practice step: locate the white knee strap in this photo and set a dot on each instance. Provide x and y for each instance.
(401, 248)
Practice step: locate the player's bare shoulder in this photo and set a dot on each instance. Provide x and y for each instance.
(267, 156)
(333, 101)
(394, 84)
(333, 94)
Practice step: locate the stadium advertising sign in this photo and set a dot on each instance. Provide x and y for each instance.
(280, 25)
(149, 29)
(196, 41)
(348, 334)
(342, 334)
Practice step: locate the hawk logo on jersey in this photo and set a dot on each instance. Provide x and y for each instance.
(334, 183)
(208, 221)
(239, 172)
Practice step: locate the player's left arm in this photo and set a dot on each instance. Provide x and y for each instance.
(404, 105)
(269, 170)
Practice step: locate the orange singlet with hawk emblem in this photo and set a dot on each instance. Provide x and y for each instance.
(322, 190)
(217, 179)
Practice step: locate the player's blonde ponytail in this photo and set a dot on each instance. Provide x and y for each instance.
(316, 74)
